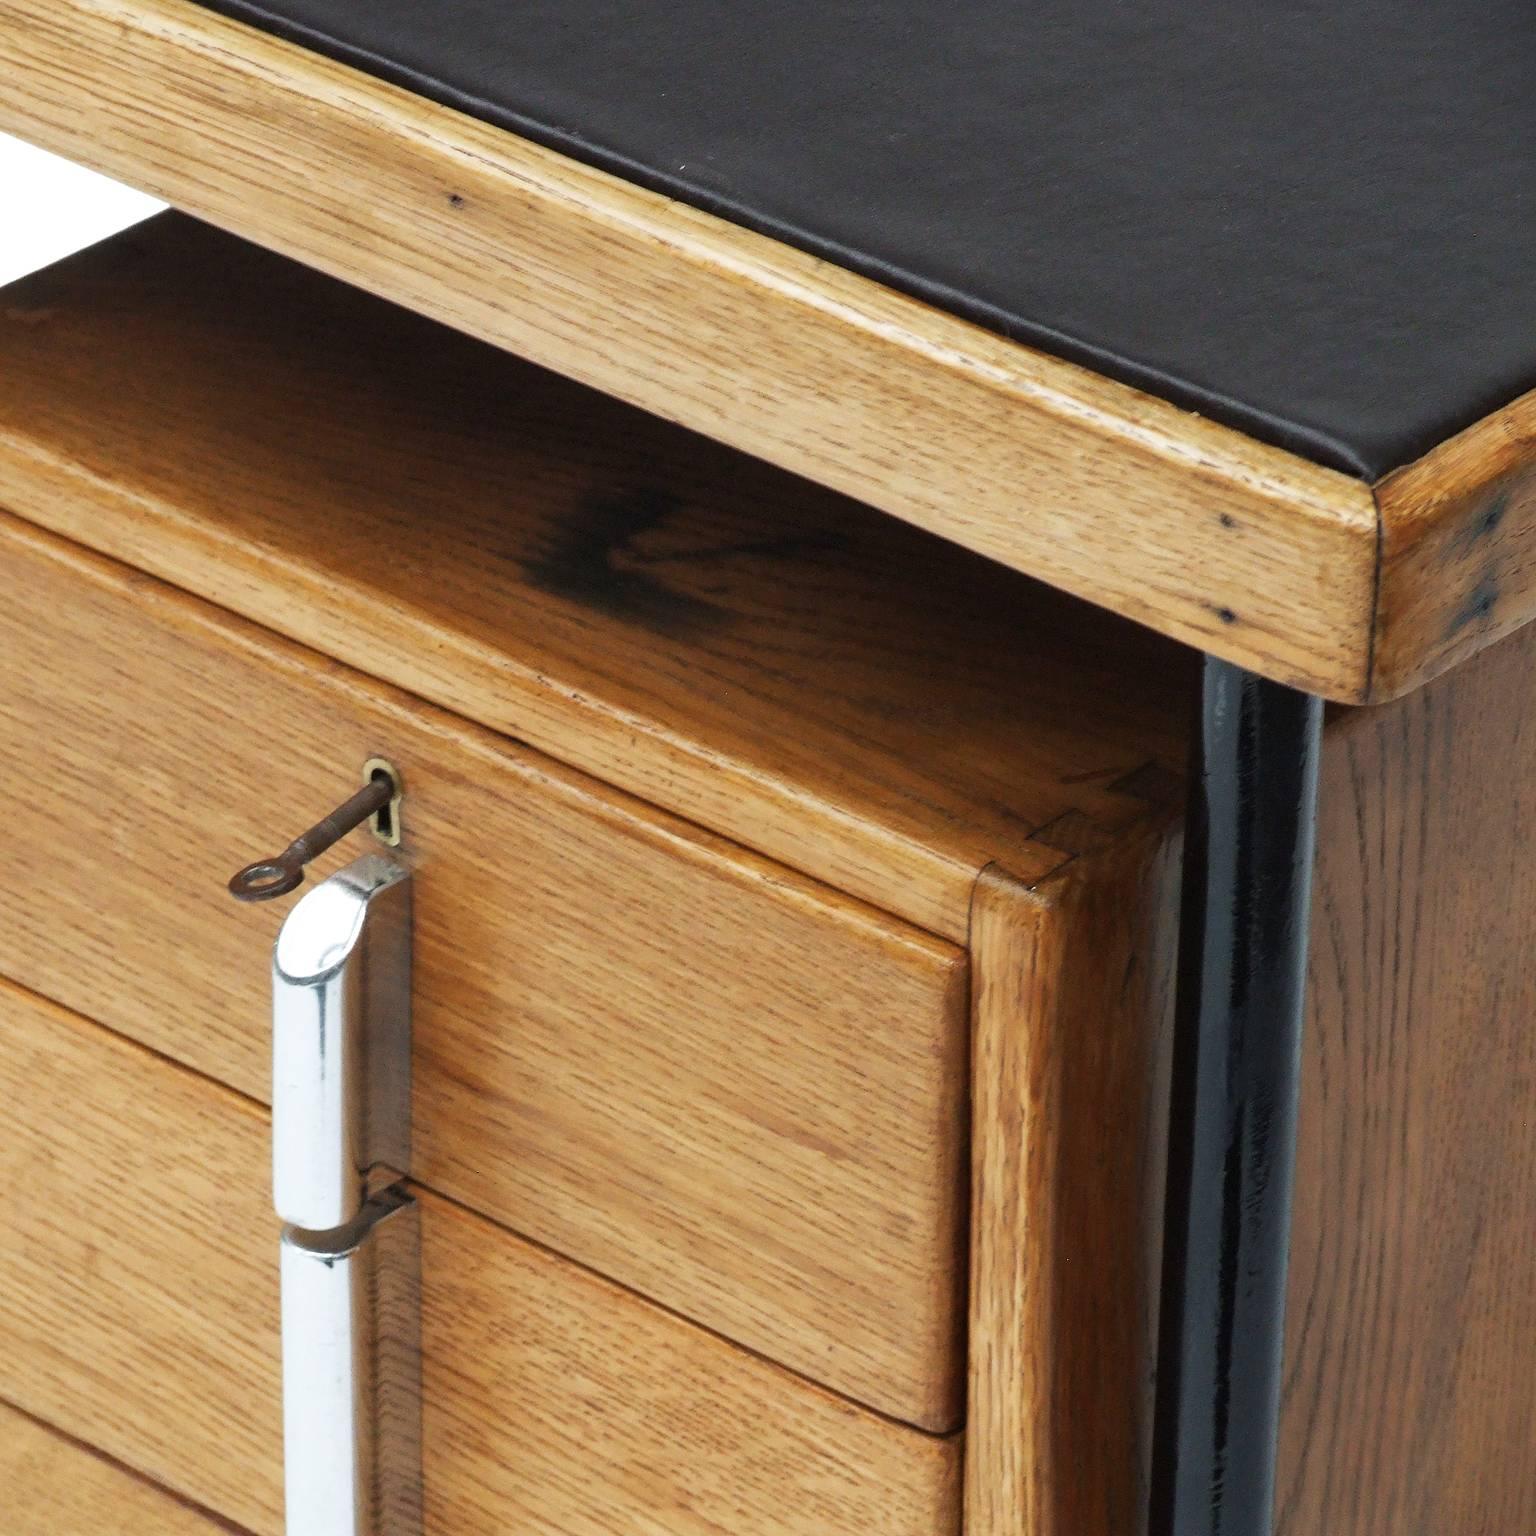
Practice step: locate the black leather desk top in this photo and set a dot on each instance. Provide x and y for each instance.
(1313, 221)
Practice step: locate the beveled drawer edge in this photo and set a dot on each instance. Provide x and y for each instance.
(1072, 1021)
(80, 1472)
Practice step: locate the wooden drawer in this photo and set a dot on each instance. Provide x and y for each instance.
(714, 1080)
(138, 1311)
(740, 1089)
(727, 862)
(54, 1486)
(787, 667)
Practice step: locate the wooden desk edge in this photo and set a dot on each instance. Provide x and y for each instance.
(1298, 572)
(1458, 568)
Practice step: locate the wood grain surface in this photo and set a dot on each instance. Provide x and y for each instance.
(1154, 512)
(1410, 1378)
(1410, 1389)
(138, 1311)
(1073, 1012)
(1458, 550)
(724, 1085)
(798, 672)
(51, 1485)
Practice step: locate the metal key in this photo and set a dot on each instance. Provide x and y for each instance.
(267, 878)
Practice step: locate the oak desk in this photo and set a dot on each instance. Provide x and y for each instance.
(1222, 329)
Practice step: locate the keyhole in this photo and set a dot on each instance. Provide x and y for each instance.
(385, 822)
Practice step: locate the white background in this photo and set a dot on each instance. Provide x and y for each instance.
(49, 208)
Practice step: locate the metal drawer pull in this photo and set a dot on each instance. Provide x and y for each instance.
(341, 1081)
(341, 1042)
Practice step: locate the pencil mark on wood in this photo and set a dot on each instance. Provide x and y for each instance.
(1152, 781)
(1481, 527)
(1478, 607)
(1072, 832)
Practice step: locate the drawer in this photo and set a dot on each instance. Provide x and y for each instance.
(787, 667)
(767, 967)
(735, 1080)
(138, 1312)
(711, 1079)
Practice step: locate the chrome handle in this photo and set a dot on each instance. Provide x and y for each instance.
(351, 1375)
(341, 1043)
(341, 986)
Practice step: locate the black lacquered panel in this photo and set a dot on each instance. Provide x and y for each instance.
(1316, 222)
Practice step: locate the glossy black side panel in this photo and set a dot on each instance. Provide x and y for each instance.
(1242, 967)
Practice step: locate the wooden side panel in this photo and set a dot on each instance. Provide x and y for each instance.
(719, 1082)
(1152, 511)
(1410, 1386)
(138, 1309)
(50, 1485)
(1411, 1375)
(1072, 1007)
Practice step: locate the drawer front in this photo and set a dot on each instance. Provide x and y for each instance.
(138, 1311)
(730, 1088)
(801, 673)
(53, 1486)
